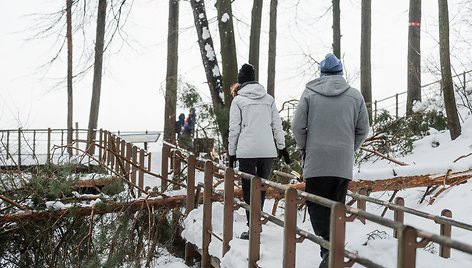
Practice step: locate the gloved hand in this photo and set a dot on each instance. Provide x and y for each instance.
(283, 152)
(232, 159)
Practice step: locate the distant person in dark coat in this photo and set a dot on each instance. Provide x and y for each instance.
(188, 130)
(254, 125)
(179, 124)
(329, 125)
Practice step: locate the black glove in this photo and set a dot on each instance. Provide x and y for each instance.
(285, 154)
(232, 159)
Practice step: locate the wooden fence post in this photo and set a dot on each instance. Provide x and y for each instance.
(135, 164)
(149, 155)
(398, 215)
(48, 160)
(77, 138)
(337, 235)
(141, 169)
(396, 106)
(445, 230)
(290, 228)
(100, 148)
(207, 209)
(8, 144)
(117, 154)
(407, 247)
(362, 204)
(19, 147)
(34, 143)
(228, 209)
(255, 222)
(128, 168)
(177, 167)
(375, 111)
(190, 252)
(164, 167)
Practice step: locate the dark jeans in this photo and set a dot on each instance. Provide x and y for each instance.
(259, 167)
(333, 188)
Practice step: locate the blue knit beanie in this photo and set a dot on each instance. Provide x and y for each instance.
(331, 65)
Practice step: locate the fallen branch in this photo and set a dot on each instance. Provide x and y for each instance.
(384, 156)
(169, 202)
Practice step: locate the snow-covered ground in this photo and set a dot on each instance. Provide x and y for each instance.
(371, 240)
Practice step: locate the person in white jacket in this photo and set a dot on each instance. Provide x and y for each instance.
(254, 124)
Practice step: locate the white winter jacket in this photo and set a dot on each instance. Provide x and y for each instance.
(254, 123)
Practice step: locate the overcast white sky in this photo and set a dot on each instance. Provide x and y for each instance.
(132, 95)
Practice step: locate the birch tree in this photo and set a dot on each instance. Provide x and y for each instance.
(229, 60)
(212, 71)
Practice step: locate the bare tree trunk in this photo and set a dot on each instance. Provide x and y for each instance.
(255, 38)
(336, 29)
(229, 59)
(212, 71)
(171, 77)
(453, 122)
(366, 67)
(97, 75)
(70, 103)
(414, 55)
(272, 48)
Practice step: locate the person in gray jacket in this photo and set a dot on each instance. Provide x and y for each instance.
(254, 123)
(330, 124)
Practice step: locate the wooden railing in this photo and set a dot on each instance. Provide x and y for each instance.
(31, 147)
(340, 215)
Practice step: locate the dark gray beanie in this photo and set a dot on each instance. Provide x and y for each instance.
(247, 73)
(331, 65)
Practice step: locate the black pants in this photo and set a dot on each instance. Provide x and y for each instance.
(259, 167)
(333, 188)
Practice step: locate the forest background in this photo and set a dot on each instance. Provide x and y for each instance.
(133, 85)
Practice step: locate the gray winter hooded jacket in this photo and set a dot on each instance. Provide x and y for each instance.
(254, 122)
(330, 123)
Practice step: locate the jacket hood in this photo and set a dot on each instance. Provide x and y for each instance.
(330, 85)
(252, 91)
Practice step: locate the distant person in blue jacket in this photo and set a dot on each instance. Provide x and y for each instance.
(179, 124)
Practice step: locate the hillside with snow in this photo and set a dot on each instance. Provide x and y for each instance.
(434, 154)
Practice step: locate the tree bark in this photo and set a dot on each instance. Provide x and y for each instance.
(97, 75)
(366, 67)
(414, 55)
(453, 122)
(337, 28)
(171, 76)
(229, 60)
(255, 38)
(272, 48)
(212, 71)
(70, 106)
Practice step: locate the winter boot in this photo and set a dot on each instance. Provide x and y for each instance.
(244, 235)
(325, 261)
